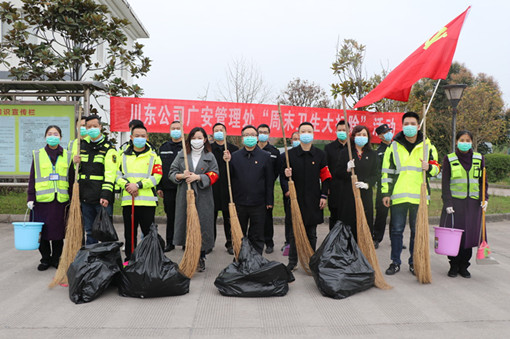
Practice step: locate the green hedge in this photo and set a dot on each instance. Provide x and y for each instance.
(498, 166)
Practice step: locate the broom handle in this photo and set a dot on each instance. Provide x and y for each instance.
(132, 224)
(284, 139)
(186, 165)
(425, 155)
(78, 141)
(347, 127)
(228, 174)
(483, 199)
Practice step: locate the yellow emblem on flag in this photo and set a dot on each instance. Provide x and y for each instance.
(442, 33)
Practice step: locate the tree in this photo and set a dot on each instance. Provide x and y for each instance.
(244, 84)
(68, 34)
(304, 93)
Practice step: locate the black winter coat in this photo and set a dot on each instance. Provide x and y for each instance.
(167, 152)
(333, 150)
(220, 188)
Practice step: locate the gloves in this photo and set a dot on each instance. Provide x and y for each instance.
(484, 205)
(350, 165)
(361, 185)
(449, 210)
(30, 205)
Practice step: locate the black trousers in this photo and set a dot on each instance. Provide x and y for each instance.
(51, 250)
(226, 226)
(144, 216)
(255, 216)
(169, 204)
(288, 219)
(269, 228)
(381, 213)
(333, 218)
(461, 261)
(311, 233)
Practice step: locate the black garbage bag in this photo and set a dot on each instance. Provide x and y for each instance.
(253, 276)
(150, 273)
(93, 269)
(339, 267)
(102, 228)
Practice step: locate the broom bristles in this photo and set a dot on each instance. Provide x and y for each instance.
(304, 250)
(73, 238)
(235, 230)
(365, 242)
(189, 261)
(421, 241)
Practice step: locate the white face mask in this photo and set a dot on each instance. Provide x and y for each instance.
(197, 144)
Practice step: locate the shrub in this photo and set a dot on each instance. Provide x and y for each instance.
(498, 166)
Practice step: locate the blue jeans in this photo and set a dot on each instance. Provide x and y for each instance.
(397, 224)
(89, 213)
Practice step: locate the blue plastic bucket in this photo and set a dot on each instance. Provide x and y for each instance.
(26, 235)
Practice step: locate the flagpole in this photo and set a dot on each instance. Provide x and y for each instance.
(430, 102)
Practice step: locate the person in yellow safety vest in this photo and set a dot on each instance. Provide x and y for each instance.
(462, 199)
(401, 181)
(138, 174)
(72, 147)
(48, 195)
(97, 163)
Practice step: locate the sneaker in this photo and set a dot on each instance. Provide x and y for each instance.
(43, 266)
(411, 269)
(292, 267)
(286, 251)
(465, 273)
(201, 265)
(269, 249)
(394, 268)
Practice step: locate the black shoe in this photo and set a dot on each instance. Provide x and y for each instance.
(465, 273)
(404, 247)
(54, 264)
(452, 273)
(411, 269)
(184, 248)
(283, 247)
(394, 268)
(208, 251)
(230, 250)
(43, 266)
(169, 248)
(292, 267)
(201, 265)
(269, 249)
(376, 244)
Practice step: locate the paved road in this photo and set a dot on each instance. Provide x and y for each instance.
(447, 308)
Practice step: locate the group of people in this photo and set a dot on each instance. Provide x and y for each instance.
(143, 173)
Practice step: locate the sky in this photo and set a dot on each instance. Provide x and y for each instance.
(192, 42)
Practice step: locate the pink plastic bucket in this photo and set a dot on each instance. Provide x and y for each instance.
(447, 240)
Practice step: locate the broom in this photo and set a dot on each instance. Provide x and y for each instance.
(365, 242)
(483, 252)
(189, 261)
(235, 225)
(74, 227)
(304, 250)
(421, 239)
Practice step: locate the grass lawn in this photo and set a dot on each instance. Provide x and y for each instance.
(15, 203)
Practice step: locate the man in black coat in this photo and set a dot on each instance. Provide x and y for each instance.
(263, 131)
(333, 150)
(220, 188)
(166, 189)
(308, 169)
(253, 185)
(384, 132)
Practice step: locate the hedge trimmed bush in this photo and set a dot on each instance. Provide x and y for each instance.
(498, 166)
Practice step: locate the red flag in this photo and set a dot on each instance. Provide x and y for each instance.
(431, 60)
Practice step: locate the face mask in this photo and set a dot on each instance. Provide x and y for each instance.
(263, 137)
(341, 135)
(306, 138)
(219, 136)
(83, 131)
(52, 140)
(464, 146)
(250, 141)
(388, 136)
(175, 134)
(360, 141)
(410, 130)
(295, 143)
(93, 132)
(139, 142)
(197, 144)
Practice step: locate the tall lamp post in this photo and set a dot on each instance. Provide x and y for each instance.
(454, 94)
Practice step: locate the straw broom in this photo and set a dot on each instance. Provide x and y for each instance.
(189, 261)
(421, 251)
(365, 242)
(74, 228)
(304, 250)
(235, 225)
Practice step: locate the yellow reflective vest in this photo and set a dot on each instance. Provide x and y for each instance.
(144, 170)
(401, 176)
(45, 186)
(462, 183)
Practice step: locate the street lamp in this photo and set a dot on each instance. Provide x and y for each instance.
(454, 94)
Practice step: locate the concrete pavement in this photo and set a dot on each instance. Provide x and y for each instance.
(447, 308)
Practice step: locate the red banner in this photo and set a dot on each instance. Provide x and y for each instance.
(158, 114)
